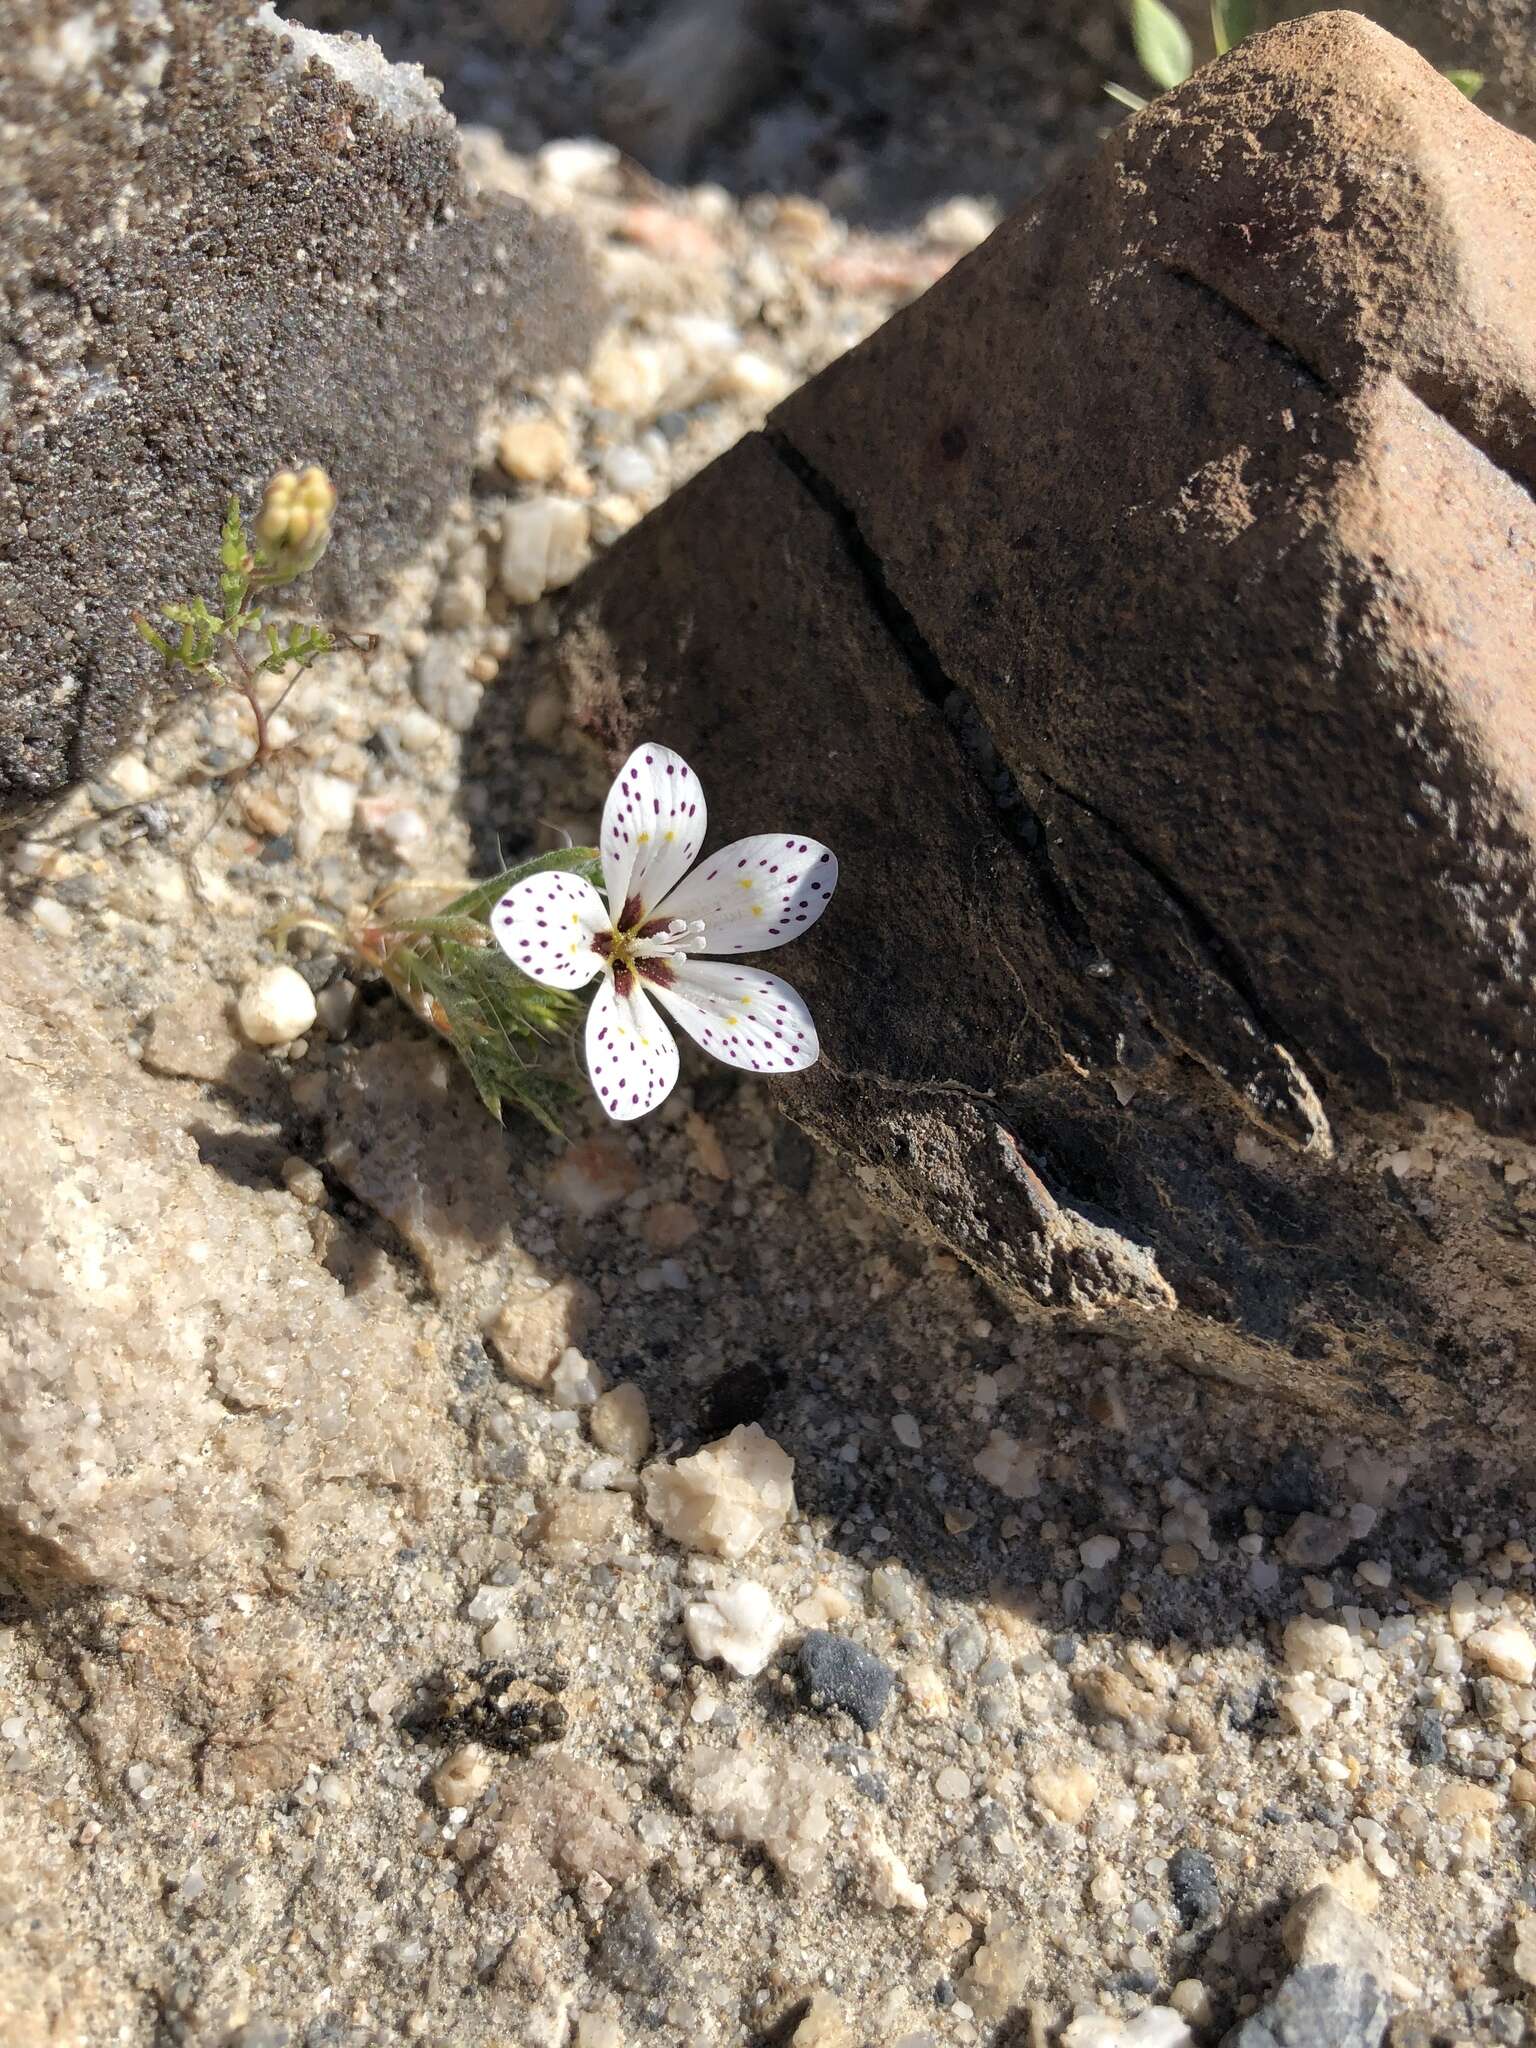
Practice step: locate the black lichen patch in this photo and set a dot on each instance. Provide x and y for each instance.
(493, 1704)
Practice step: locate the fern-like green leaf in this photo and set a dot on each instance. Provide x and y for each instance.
(232, 544)
(147, 633)
(1469, 82)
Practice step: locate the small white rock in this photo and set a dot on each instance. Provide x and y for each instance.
(621, 1422)
(1313, 1645)
(1098, 1551)
(129, 775)
(276, 1006)
(52, 916)
(1157, 2026)
(460, 1778)
(726, 1496)
(1013, 1468)
(631, 377)
(579, 164)
(502, 1637)
(628, 470)
(1303, 1708)
(329, 802)
(960, 223)
(544, 546)
(739, 1625)
(1505, 1649)
(575, 1381)
(753, 377)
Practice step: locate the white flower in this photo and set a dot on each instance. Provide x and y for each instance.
(747, 898)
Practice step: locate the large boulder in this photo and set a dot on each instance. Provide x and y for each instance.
(1145, 617)
(226, 244)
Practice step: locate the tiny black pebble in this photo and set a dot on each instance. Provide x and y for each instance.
(943, 1994)
(1140, 1983)
(837, 1673)
(1253, 1708)
(1427, 1745)
(277, 850)
(1290, 1485)
(1192, 1881)
(741, 1394)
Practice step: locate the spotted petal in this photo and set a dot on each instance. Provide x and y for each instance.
(756, 893)
(546, 924)
(653, 827)
(740, 1014)
(631, 1055)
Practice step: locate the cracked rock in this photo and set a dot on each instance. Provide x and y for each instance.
(1180, 768)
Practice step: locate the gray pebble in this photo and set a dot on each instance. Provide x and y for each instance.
(837, 1673)
(1321, 2006)
(1192, 1881)
(628, 1951)
(1427, 1744)
(964, 1648)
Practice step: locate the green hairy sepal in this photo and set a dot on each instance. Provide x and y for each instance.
(513, 1034)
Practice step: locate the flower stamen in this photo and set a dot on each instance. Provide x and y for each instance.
(664, 936)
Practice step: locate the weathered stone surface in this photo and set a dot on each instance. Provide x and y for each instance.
(1144, 616)
(224, 247)
(190, 1402)
(1494, 37)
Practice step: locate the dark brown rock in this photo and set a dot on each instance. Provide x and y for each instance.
(1496, 38)
(219, 252)
(1145, 617)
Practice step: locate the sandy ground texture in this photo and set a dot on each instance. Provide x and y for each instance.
(991, 1683)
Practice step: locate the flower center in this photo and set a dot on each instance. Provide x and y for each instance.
(646, 946)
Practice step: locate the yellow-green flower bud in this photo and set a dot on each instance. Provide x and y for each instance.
(293, 527)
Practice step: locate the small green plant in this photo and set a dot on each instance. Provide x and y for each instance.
(232, 645)
(513, 1034)
(1167, 55)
